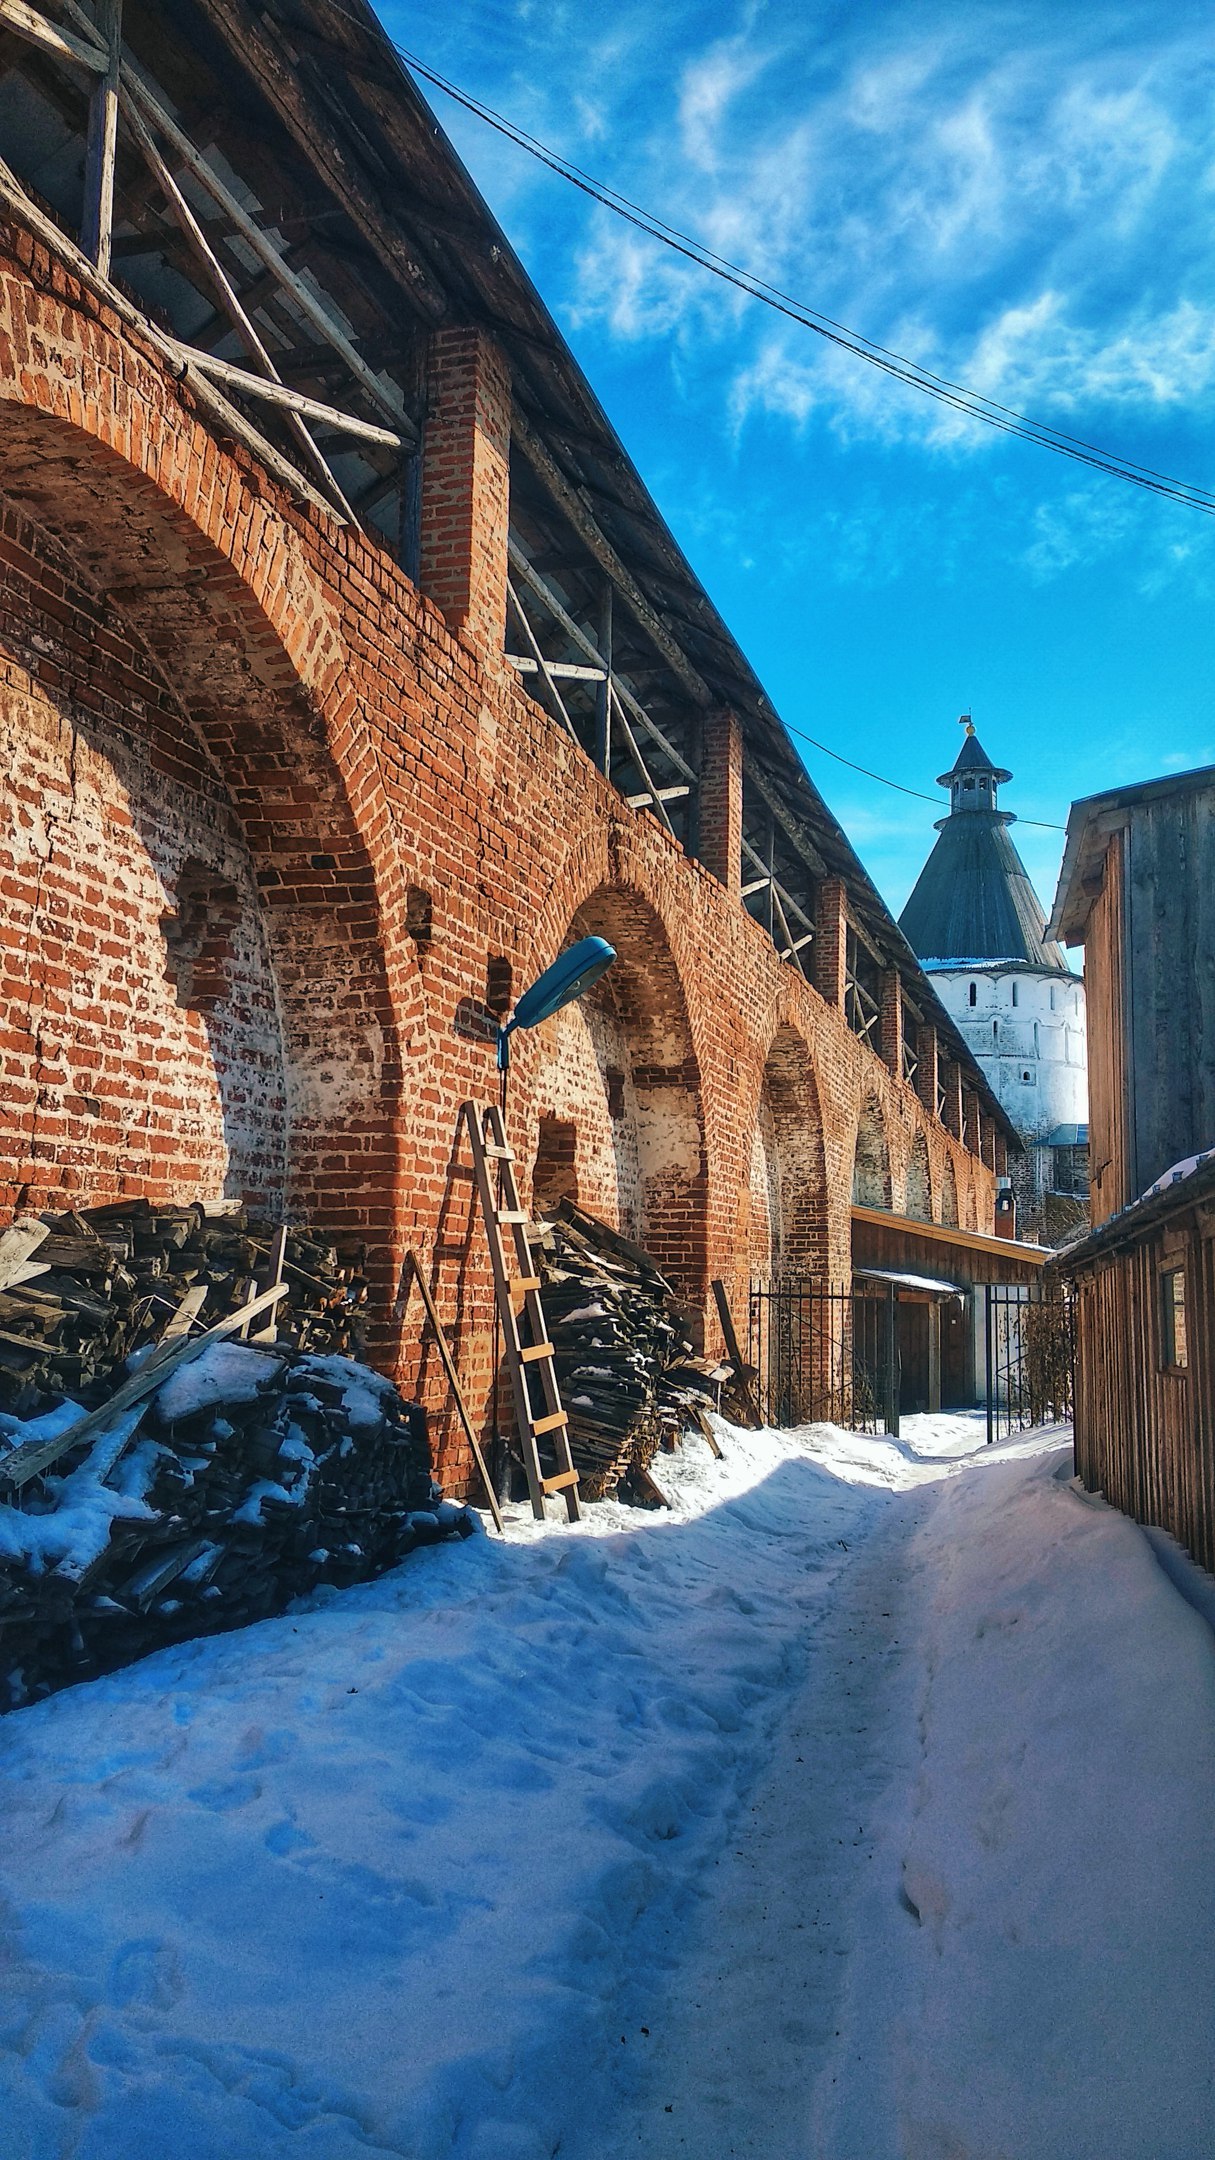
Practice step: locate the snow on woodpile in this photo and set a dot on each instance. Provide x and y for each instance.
(157, 1485)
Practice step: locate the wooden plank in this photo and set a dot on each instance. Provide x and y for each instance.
(563, 670)
(97, 222)
(278, 1257)
(219, 410)
(453, 1382)
(187, 1313)
(578, 636)
(701, 1422)
(554, 1419)
(648, 1485)
(542, 665)
(26, 22)
(534, 1352)
(735, 1354)
(270, 390)
(135, 87)
(31, 1457)
(561, 1483)
(17, 1244)
(567, 497)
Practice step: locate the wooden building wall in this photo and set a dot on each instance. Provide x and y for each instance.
(1170, 992)
(1108, 1150)
(1145, 1435)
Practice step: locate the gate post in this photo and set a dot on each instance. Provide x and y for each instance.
(890, 1361)
(987, 1359)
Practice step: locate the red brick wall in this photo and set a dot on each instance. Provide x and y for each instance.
(125, 1065)
(265, 691)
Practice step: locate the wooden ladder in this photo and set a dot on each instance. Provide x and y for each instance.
(487, 1138)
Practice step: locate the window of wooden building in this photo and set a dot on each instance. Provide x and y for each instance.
(1173, 1327)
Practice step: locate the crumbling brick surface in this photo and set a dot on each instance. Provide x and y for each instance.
(221, 699)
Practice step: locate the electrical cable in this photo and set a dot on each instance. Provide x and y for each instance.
(971, 403)
(1004, 418)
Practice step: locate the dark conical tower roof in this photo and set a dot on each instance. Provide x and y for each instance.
(973, 900)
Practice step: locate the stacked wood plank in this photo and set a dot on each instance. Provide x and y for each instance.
(104, 1282)
(630, 1378)
(241, 1479)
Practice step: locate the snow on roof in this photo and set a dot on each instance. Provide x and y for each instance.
(910, 1282)
(1177, 1175)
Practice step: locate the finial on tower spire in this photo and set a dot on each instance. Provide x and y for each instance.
(964, 720)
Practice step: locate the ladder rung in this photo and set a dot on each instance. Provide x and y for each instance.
(513, 1215)
(524, 1282)
(549, 1423)
(533, 1355)
(558, 1484)
(498, 1154)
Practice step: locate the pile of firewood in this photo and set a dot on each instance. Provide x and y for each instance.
(161, 1478)
(102, 1283)
(630, 1378)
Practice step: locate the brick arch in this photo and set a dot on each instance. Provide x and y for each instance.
(918, 1180)
(175, 542)
(871, 1183)
(789, 1210)
(621, 1069)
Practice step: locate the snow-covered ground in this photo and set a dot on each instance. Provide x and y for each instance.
(858, 1809)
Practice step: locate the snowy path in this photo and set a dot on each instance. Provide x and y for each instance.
(859, 1811)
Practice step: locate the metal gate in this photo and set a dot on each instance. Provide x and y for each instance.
(1030, 1342)
(825, 1356)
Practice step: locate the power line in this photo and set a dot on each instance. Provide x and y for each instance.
(993, 414)
(972, 404)
(937, 801)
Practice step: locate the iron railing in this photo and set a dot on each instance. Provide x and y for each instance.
(1030, 1339)
(825, 1355)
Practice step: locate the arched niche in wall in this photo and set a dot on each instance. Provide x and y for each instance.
(256, 1028)
(619, 1067)
(788, 1214)
(919, 1181)
(949, 1196)
(871, 1161)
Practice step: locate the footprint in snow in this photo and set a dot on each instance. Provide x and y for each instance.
(223, 1794)
(284, 1838)
(145, 1972)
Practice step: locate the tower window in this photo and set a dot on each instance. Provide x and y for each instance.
(1016, 990)
(974, 993)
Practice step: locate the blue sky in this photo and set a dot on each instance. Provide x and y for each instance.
(1021, 197)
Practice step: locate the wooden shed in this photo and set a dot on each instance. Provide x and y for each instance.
(1137, 889)
(1145, 1358)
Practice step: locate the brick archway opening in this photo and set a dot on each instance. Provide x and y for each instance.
(621, 1068)
(152, 657)
(871, 1160)
(919, 1181)
(949, 1197)
(789, 1232)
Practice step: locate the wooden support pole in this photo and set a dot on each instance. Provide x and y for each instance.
(603, 707)
(29, 23)
(453, 1382)
(97, 229)
(733, 1352)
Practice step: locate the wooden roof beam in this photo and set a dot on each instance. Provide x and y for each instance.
(596, 543)
(274, 68)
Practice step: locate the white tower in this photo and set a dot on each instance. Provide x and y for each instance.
(977, 926)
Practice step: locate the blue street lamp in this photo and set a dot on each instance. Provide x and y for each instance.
(570, 976)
